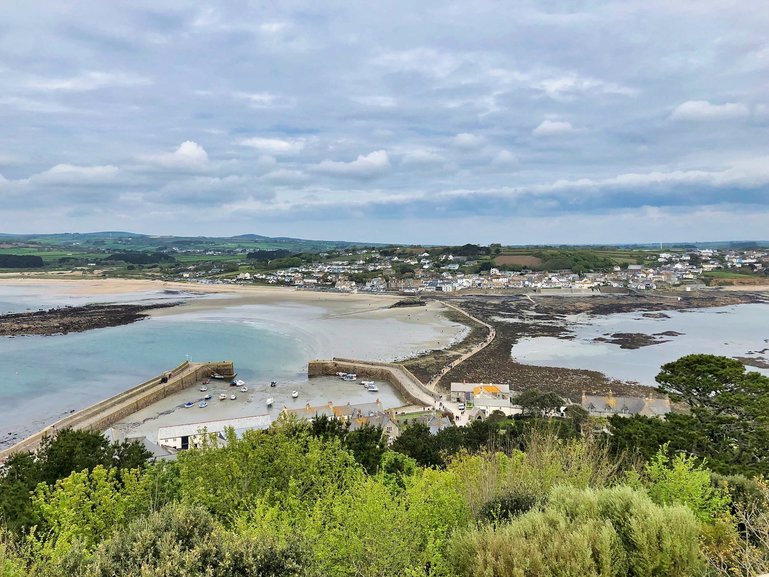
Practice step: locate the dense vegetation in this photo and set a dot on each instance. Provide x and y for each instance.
(267, 255)
(140, 257)
(20, 261)
(316, 499)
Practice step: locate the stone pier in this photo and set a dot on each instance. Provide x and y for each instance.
(398, 376)
(102, 415)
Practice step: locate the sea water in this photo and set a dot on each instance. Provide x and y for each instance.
(734, 331)
(44, 378)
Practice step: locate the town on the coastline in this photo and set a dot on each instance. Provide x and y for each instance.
(429, 271)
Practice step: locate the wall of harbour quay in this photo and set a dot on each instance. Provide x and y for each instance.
(396, 375)
(104, 414)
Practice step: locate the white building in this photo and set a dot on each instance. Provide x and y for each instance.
(192, 434)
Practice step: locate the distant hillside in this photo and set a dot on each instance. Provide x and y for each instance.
(128, 241)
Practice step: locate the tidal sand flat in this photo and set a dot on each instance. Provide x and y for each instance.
(269, 333)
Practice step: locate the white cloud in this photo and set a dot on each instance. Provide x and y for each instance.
(73, 174)
(552, 128)
(33, 105)
(376, 101)
(505, 158)
(421, 157)
(259, 100)
(704, 110)
(569, 85)
(274, 145)
(426, 61)
(285, 176)
(189, 155)
(89, 81)
(467, 141)
(365, 166)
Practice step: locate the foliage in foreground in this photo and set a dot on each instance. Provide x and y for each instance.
(317, 500)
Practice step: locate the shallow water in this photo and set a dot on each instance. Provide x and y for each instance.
(46, 377)
(729, 331)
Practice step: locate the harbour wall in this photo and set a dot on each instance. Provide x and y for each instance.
(104, 414)
(396, 375)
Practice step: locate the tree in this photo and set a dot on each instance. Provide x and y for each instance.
(58, 456)
(539, 403)
(367, 445)
(416, 442)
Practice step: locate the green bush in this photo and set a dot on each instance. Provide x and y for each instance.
(184, 540)
(585, 532)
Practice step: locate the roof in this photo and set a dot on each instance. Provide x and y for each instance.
(191, 429)
(648, 406)
(470, 387)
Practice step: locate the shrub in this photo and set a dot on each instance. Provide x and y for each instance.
(681, 480)
(585, 532)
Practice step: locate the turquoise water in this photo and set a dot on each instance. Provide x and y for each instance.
(46, 377)
(43, 378)
(735, 331)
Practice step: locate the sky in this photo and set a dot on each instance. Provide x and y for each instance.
(541, 122)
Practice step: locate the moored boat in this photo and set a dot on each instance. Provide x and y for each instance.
(294, 394)
(203, 388)
(233, 396)
(269, 402)
(202, 404)
(372, 388)
(207, 396)
(273, 383)
(244, 389)
(366, 383)
(222, 396)
(189, 404)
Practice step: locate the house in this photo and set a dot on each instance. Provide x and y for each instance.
(193, 434)
(608, 405)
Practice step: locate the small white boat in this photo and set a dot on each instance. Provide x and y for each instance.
(269, 402)
(244, 389)
(222, 396)
(372, 388)
(240, 382)
(366, 383)
(189, 404)
(294, 394)
(349, 377)
(233, 397)
(203, 388)
(207, 396)
(202, 404)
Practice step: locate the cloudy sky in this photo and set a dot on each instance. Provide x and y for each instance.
(550, 121)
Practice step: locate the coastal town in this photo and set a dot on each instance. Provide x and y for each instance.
(443, 272)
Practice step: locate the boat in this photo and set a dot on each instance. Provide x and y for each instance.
(372, 388)
(269, 402)
(221, 377)
(233, 397)
(202, 404)
(273, 383)
(206, 381)
(349, 376)
(203, 388)
(366, 383)
(222, 396)
(189, 404)
(240, 382)
(294, 394)
(207, 397)
(244, 389)
(233, 383)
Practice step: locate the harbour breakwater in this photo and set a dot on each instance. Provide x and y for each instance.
(396, 375)
(104, 414)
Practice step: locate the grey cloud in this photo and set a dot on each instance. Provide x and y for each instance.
(380, 111)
